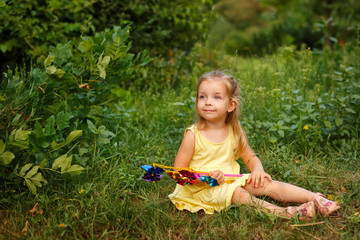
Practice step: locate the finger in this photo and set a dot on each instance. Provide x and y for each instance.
(262, 180)
(248, 181)
(268, 177)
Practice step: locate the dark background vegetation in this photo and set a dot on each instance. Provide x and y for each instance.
(91, 89)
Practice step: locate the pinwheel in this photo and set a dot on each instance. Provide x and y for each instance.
(182, 176)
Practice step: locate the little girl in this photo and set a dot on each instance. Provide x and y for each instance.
(214, 143)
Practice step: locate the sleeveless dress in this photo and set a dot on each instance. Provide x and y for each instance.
(209, 156)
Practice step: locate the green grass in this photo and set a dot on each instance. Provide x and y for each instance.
(111, 201)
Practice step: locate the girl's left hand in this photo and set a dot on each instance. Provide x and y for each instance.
(219, 176)
(258, 178)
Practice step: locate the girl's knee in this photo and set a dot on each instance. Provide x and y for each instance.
(239, 196)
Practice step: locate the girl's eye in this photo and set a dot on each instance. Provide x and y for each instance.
(217, 97)
(201, 97)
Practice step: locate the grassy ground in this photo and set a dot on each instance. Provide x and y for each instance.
(111, 201)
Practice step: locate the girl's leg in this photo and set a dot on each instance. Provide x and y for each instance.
(283, 192)
(241, 196)
(304, 211)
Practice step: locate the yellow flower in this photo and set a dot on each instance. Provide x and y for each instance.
(330, 197)
(306, 127)
(61, 225)
(81, 191)
(357, 213)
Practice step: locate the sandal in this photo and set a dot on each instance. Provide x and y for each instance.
(325, 206)
(305, 211)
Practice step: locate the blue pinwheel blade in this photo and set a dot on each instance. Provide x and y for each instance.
(146, 167)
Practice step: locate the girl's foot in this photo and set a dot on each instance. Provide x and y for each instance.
(305, 211)
(325, 206)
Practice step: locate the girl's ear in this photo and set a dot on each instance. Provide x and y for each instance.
(232, 106)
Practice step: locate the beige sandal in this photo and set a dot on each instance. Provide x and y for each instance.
(305, 211)
(325, 206)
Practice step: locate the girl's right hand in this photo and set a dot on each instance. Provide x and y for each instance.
(219, 176)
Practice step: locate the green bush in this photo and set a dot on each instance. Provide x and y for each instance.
(45, 114)
(30, 27)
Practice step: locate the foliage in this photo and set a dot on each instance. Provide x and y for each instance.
(266, 25)
(31, 27)
(43, 110)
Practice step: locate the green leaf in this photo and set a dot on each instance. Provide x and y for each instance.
(73, 136)
(281, 133)
(37, 179)
(2, 4)
(75, 169)
(92, 127)
(86, 45)
(38, 131)
(44, 162)
(32, 172)
(103, 141)
(62, 162)
(50, 126)
(102, 71)
(16, 119)
(62, 120)
(22, 135)
(2, 146)
(6, 158)
(30, 185)
(328, 124)
(102, 64)
(350, 110)
(59, 73)
(24, 169)
(50, 70)
(105, 61)
(49, 60)
(339, 122)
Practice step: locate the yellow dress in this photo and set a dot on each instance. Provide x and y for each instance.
(209, 156)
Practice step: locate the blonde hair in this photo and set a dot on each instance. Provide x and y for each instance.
(233, 91)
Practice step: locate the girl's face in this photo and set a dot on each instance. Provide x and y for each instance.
(213, 102)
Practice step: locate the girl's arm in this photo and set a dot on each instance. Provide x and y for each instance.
(186, 151)
(185, 154)
(258, 175)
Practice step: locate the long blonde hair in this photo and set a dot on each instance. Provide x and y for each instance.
(233, 91)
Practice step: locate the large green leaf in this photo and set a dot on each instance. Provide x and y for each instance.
(6, 158)
(75, 169)
(70, 138)
(62, 162)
